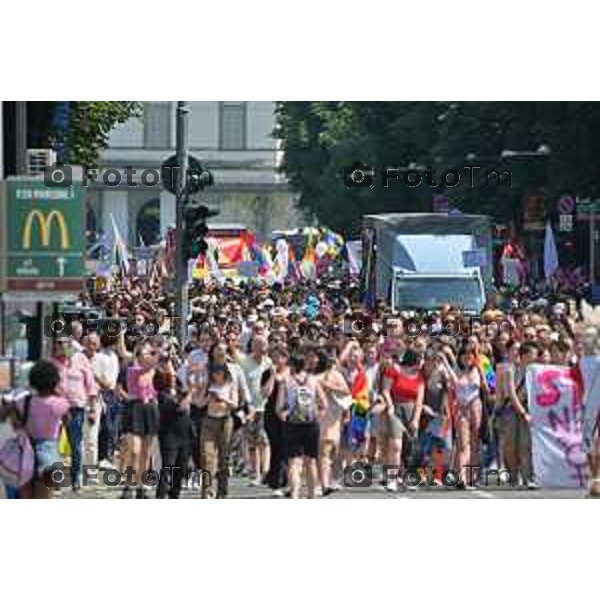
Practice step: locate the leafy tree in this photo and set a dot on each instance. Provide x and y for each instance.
(320, 138)
(89, 126)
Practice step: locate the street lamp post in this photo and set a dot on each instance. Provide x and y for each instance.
(181, 295)
(21, 137)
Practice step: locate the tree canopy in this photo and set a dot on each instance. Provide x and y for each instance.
(321, 138)
(88, 127)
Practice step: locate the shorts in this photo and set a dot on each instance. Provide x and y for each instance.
(140, 418)
(255, 432)
(301, 439)
(398, 422)
(46, 454)
(373, 425)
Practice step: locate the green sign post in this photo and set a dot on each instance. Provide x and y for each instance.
(586, 208)
(45, 236)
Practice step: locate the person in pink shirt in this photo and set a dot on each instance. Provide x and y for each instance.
(78, 386)
(42, 415)
(141, 415)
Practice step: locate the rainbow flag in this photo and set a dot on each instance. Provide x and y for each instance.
(360, 409)
(261, 257)
(360, 391)
(488, 372)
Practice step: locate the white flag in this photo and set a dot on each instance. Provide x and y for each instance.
(550, 253)
(120, 251)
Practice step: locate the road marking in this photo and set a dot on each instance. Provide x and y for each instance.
(482, 494)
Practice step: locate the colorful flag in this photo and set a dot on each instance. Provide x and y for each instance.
(488, 372)
(360, 390)
(360, 409)
(259, 257)
(293, 272)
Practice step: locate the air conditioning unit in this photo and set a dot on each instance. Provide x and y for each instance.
(38, 159)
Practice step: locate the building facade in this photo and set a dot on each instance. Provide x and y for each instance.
(232, 139)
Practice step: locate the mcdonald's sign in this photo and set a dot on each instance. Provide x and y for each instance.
(45, 228)
(45, 237)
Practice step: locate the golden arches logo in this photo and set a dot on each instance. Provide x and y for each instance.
(45, 224)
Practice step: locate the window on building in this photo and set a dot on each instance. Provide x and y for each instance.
(157, 125)
(232, 130)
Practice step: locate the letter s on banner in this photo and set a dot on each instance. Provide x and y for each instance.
(549, 394)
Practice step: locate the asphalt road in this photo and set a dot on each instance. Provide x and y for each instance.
(241, 489)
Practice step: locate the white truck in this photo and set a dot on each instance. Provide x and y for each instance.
(426, 260)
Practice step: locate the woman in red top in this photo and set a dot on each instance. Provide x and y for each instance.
(403, 392)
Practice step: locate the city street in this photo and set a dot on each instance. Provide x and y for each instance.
(239, 489)
(286, 317)
(250, 296)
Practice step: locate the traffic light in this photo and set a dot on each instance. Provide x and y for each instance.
(195, 230)
(197, 177)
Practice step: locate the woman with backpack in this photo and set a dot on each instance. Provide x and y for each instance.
(41, 415)
(300, 406)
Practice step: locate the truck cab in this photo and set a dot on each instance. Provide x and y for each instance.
(430, 291)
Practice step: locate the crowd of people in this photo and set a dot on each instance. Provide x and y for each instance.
(290, 387)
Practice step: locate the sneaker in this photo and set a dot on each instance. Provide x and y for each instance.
(278, 493)
(254, 482)
(106, 465)
(392, 486)
(319, 492)
(532, 484)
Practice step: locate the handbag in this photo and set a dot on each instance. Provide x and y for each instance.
(17, 455)
(64, 446)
